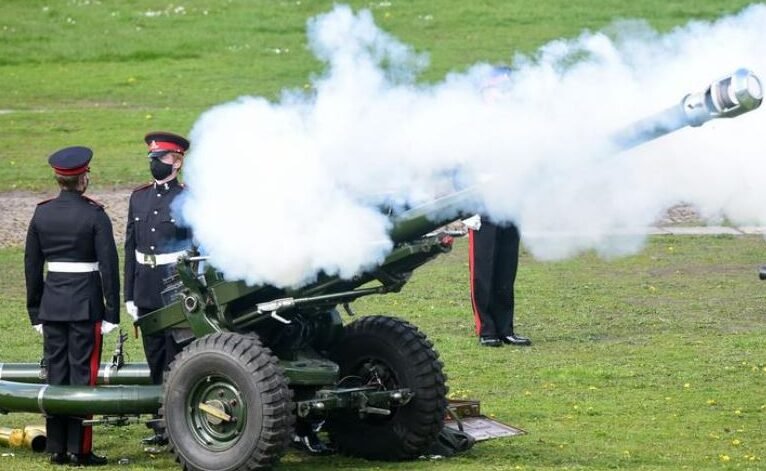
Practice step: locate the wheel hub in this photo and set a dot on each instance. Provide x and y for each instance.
(216, 413)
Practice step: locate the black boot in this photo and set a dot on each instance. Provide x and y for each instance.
(158, 439)
(490, 342)
(59, 458)
(312, 444)
(89, 459)
(514, 339)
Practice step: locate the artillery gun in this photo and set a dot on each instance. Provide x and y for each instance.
(258, 358)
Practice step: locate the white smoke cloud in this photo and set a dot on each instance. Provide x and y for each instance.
(280, 191)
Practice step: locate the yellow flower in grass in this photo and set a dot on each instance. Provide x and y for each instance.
(736, 442)
(724, 458)
(737, 412)
(711, 402)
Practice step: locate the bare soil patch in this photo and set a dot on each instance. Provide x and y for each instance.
(17, 207)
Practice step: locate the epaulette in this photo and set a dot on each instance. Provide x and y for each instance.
(143, 187)
(92, 201)
(45, 201)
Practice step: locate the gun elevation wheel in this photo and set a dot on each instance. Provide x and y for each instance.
(391, 354)
(226, 405)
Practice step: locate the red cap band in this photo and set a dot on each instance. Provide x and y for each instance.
(68, 172)
(158, 146)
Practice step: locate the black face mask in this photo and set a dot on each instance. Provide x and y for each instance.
(160, 170)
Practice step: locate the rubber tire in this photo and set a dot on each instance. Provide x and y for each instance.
(411, 430)
(254, 371)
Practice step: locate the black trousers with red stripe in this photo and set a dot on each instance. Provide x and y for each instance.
(493, 260)
(73, 353)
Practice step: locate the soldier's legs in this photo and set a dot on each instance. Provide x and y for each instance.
(481, 261)
(55, 351)
(154, 348)
(160, 349)
(84, 361)
(506, 266)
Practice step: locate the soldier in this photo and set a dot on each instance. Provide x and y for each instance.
(493, 258)
(79, 300)
(153, 243)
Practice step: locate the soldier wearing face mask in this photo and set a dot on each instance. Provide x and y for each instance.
(153, 242)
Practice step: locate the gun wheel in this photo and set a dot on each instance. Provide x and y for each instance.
(392, 354)
(226, 405)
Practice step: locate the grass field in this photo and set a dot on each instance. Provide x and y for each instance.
(654, 361)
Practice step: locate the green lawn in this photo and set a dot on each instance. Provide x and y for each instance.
(103, 73)
(654, 361)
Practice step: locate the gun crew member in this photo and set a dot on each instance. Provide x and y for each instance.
(153, 243)
(79, 300)
(493, 257)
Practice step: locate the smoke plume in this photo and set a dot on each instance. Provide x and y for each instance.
(282, 190)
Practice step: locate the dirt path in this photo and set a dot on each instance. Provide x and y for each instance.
(16, 209)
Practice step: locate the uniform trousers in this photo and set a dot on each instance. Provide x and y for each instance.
(493, 261)
(73, 354)
(160, 350)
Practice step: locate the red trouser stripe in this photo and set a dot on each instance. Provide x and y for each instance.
(95, 363)
(471, 268)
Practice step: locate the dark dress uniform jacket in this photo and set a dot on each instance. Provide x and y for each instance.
(71, 228)
(151, 229)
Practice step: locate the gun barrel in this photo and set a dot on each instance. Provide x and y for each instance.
(78, 400)
(423, 219)
(727, 97)
(127, 374)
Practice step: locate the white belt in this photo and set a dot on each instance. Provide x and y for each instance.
(73, 267)
(158, 259)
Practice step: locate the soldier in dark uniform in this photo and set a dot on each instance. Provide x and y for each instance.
(493, 259)
(79, 300)
(153, 243)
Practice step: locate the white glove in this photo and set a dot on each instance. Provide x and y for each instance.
(107, 327)
(130, 306)
(38, 328)
(473, 222)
